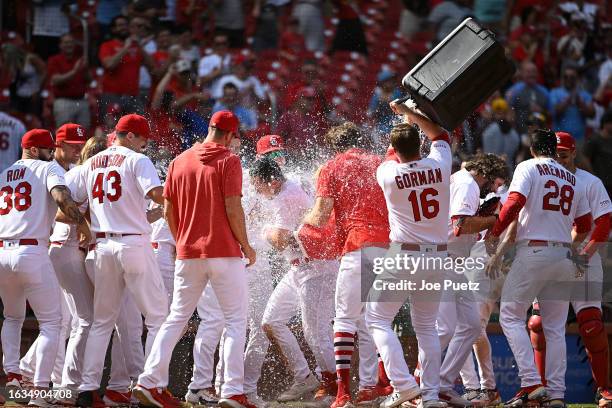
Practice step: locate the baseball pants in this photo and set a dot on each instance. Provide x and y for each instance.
(490, 293)
(587, 290)
(350, 313)
(458, 325)
(119, 264)
(26, 273)
(210, 333)
(381, 311)
(229, 281)
(542, 273)
(165, 254)
(313, 298)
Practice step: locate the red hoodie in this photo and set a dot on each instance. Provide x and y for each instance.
(197, 184)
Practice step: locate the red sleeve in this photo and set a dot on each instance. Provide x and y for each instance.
(515, 202)
(600, 234)
(583, 223)
(325, 182)
(52, 66)
(442, 136)
(106, 50)
(456, 221)
(391, 156)
(168, 183)
(232, 178)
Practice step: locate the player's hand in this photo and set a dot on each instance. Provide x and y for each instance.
(400, 108)
(84, 234)
(581, 261)
(491, 244)
(492, 269)
(250, 254)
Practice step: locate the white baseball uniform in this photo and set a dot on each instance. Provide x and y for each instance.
(164, 248)
(587, 291)
(458, 320)
(307, 288)
(27, 212)
(11, 130)
(417, 195)
(115, 182)
(541, 269)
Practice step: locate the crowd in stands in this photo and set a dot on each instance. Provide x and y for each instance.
(295, 68)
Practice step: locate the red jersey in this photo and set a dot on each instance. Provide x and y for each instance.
(123, 79)
(76, 87)
(359, 203)
(197, 184)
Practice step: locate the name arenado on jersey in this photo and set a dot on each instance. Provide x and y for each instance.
(548, 170)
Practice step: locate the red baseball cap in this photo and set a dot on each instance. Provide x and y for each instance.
(565, 141)
(71, 133)
(134, 123)
(270, 143)
(38, 138)
(225, 120)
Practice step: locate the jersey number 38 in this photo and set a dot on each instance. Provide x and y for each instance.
(19, 198)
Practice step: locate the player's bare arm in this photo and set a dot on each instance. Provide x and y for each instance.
(320, 213)
(431, 129)
(169, 217)
(235, 216)
(154, 214)
(493, 265)
(473, 224)
(280, 238)
(61, 195)
(157, 195)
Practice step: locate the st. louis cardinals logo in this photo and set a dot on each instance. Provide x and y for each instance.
(274, 141)
(80, 132)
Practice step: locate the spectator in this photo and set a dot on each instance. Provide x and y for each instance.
(122, 58)
(141, 28)
(26, 72)
(214, 66)
(302, 126)
(413, 16)
(571, 105)
(349, 32)
(178, 83)
(151, 10)
(106, 12)
(69, 78)
(500, 137)
(229, 21)
(603, 95)
(490, 13)
(50, 23)
(385, 92)
(570, 47)
(230, 101)
(189, 51)
(310, 15)
(266, 27)
(292, 43)
(447, 15)
(605, 69)
(598, 151)
(161, 57)
(310, 78)
(250, 88)
(109, 120)
(195, 123)
(527, 96)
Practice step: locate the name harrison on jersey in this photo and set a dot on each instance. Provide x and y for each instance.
(14, 175)
(107, 161)
(546, 170)
(418, 178)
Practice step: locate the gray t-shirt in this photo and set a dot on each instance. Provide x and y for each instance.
(229, 14)
(446, 16)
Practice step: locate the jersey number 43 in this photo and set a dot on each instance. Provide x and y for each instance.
(113, 179)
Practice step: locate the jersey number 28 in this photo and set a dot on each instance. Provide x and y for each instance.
(114, 186)
(558, 199)
(20, 197)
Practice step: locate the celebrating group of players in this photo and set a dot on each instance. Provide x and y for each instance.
(123, 246)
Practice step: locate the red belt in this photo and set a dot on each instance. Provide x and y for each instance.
(417, 247)
(58, 243)
(540, 243)
(155, 245)
(112, 235)
(91, 247)
(24, 241)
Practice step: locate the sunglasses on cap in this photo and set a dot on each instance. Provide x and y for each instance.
(275, 154)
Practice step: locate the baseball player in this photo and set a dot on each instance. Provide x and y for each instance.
(11, 130)
(347, 187)
(417, 195)
(207, 176)
(164, 248)
(116, 183)
(69, 264)
(458, 321)
(31, 191)
(548, 200)
(306, 287)
(587, 291)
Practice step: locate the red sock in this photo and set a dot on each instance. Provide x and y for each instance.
(383, 380)
(344, 346)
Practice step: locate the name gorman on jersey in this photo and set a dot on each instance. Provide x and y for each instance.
(107, 161)
(418, 178)
(546, 170)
